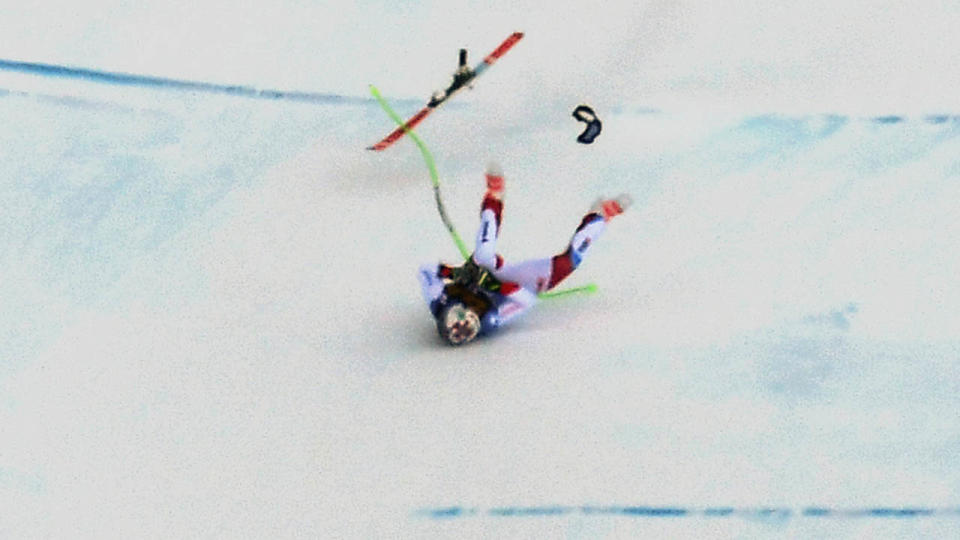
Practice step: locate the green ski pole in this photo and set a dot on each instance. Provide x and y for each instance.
(433, 172)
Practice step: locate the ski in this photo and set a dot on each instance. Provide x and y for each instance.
(462, 79)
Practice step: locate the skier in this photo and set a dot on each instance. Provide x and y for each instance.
(485, 293)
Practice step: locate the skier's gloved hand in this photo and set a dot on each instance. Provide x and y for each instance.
(490, 321)
(468, 274)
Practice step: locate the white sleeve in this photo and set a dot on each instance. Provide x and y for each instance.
(430, 284)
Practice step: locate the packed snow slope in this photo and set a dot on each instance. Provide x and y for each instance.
(211, 326)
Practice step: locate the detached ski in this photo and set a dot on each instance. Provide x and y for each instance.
(463, 77)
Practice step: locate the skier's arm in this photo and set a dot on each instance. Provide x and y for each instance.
(431, 281)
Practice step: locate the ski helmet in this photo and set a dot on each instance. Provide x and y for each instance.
(458, 324)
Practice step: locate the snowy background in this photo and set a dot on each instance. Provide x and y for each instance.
(210, 324)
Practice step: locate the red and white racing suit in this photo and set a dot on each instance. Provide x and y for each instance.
(520, 282)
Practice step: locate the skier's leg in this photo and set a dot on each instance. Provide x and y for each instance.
(521, 282)
(540, 275)
(491, 212)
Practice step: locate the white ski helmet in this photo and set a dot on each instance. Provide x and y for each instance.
(458, 324)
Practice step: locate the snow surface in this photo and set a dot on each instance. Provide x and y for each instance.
(210, 324)
(212, 327)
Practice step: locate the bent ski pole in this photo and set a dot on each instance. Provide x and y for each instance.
(431, 166)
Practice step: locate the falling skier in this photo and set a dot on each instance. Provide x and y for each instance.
(485, 293)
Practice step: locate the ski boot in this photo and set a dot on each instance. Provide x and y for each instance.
(609, 208)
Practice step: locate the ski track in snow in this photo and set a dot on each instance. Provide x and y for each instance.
(773, 514)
